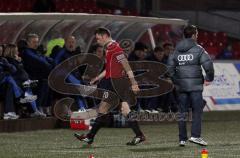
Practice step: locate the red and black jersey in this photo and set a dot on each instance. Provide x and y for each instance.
(114, 55)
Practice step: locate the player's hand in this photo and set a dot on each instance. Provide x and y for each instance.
(93, 81)
(206, 83)
(135, 88)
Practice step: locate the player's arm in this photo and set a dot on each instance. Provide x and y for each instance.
(130, 74)
(99, 77)
(207, 64)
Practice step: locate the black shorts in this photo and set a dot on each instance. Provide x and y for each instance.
(121, 87)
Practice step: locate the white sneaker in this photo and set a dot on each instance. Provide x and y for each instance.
(148, 111)
(198, 141)
(141, 111)
(182, 143)
(30, 83)
(82, 110)
(38, 114)
(28, 99)
(154, 112)
(10, 116)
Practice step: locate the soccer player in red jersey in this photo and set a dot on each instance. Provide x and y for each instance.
(118, 78)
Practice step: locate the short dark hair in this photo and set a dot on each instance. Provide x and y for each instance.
(167, 44)
(140, 46)
(158, 49)
(189, 31)
(102, 31)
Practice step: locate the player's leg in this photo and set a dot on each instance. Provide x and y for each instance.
(133, 124)
(103, 119)
(197, 106)
(183, 109)
(121, 87)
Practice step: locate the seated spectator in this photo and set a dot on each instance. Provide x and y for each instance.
(156, 102)
(168, 49)
(38, 68)
(10, 89)
(165, 102)
(69, 50)
(157, 55)
(139, 54)
(21, 76)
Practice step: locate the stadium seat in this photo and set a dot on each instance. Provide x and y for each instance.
(222, 36)
(236, 49)
(214, 38)
(203, 37)
(213, 50)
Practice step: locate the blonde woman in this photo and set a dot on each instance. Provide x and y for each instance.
(21, 76)
(9, 88)
(11, 53)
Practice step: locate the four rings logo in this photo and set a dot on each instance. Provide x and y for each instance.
(186, 57)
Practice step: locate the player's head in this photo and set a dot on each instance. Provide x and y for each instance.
(190, 31)
(159, 53)
(140, 50)
(102, 35)
(70, 43)
(168, 48)
(32, 41)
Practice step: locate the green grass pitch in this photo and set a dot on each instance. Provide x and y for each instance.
(220, 129)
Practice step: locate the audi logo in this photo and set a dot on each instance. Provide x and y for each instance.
(186, 57)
